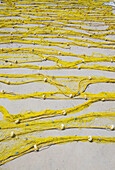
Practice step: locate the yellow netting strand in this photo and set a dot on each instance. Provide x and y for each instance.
(44, 142)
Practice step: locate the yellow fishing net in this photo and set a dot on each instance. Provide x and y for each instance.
(40, 35)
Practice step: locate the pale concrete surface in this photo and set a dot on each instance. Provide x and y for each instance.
(70, 156)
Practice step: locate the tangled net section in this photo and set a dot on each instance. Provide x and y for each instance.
(55, 51)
